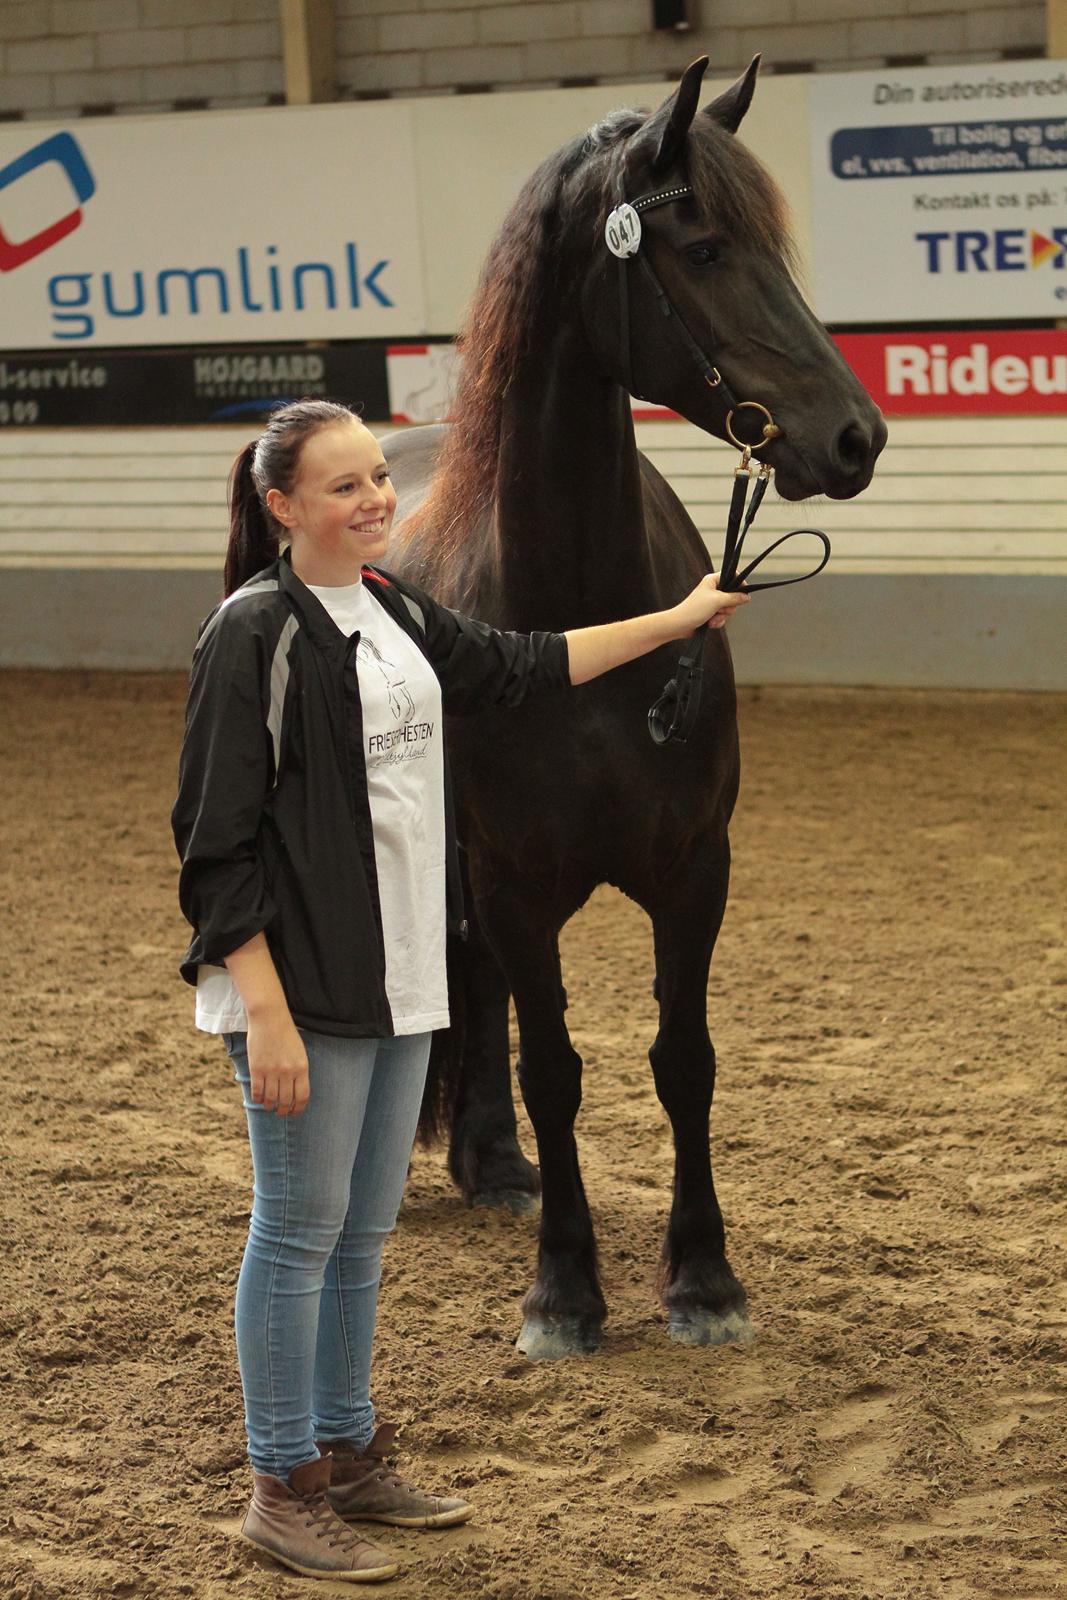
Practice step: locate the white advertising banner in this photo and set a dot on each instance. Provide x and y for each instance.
(940, 193)
(284, 224)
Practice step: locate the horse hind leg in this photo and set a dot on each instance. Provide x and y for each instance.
(705, 1302)
(484, 1157)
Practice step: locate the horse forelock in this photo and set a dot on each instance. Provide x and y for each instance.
(735, 193)
(566, 197)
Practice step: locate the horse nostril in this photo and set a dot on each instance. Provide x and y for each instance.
(854, 446)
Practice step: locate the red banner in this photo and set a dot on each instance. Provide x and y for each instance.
(1021, 373)
(908, 374)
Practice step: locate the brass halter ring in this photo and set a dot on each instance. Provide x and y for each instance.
(771, 430)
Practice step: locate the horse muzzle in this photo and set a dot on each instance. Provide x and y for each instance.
(839, 469)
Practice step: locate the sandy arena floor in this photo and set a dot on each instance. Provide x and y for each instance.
(888, 1001)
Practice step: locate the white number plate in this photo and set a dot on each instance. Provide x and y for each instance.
(622, 231)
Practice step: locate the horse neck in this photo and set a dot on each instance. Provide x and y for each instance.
(572, 543)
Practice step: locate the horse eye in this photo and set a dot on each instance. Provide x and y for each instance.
(702, 255)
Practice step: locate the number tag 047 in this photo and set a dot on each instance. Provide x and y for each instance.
(622, 232)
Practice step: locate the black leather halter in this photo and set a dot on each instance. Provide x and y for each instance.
(622, 233)
(648, 202)
(675, 712)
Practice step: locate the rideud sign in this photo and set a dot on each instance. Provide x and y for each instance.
(961, 374)
(257, 225)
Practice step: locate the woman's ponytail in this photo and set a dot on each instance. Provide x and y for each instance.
(271, 462)
(253, 542)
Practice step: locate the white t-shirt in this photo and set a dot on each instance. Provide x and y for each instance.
(404, 751)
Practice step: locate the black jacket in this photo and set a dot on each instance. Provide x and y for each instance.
(272, 820)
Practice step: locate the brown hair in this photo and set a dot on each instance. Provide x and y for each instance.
(270, 462)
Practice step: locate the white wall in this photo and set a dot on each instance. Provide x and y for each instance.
(111, 541)
(949, 572)
(974, 496)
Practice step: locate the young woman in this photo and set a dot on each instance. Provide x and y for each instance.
(320, 874)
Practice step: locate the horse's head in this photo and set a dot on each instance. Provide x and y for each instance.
(722, 256)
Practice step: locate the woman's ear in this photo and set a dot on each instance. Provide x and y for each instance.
(279, 508)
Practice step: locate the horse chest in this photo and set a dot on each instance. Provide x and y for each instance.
(572, 776)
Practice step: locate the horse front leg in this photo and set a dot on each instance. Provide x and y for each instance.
(564, 1310)
(704, 1300)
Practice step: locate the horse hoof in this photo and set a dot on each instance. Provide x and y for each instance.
(711, 1327)
(520, 1202)
(551, 1340)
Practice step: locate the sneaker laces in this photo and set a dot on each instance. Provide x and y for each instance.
(395, 1481)
(325, 1517)
(376, 1468)
(372, 1462)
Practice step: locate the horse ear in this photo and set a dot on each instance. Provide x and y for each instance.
(662, 139)
(729, 109)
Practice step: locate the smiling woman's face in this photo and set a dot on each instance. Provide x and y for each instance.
(341, 507)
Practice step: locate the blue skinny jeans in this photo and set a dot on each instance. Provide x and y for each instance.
(328, 1186)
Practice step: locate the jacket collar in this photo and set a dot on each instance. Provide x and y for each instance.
(312, 613)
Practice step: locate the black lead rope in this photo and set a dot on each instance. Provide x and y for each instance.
(674, 715)
(729, 578)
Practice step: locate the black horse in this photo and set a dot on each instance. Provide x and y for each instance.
(535, 510)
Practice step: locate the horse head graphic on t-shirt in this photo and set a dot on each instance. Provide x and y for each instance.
(400, 702)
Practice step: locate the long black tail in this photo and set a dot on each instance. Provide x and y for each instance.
(446, 1057)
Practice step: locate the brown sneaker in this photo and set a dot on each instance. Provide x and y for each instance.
(294, 1523)
(363, 1488)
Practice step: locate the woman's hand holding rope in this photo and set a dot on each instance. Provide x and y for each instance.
(596, 650)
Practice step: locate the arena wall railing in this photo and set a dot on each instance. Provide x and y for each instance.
(949, 572)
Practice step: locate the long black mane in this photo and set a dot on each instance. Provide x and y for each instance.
(565, 201)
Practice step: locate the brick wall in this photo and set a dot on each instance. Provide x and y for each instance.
(425, 45)
(69, 56)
